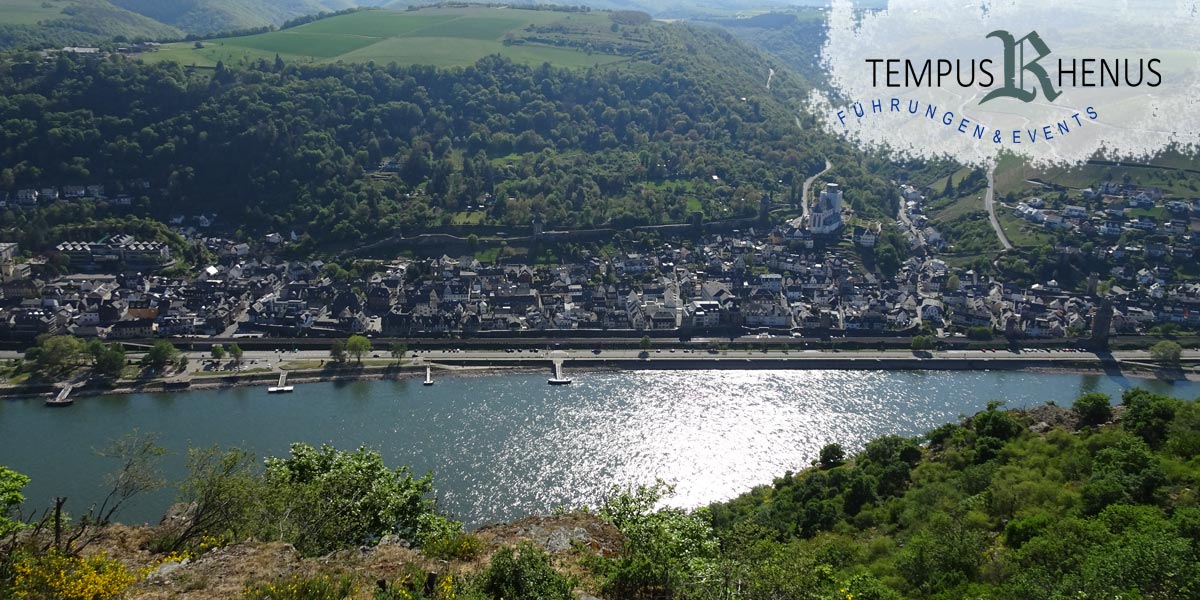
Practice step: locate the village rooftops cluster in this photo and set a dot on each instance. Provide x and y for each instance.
(806, 277)
(723, 283)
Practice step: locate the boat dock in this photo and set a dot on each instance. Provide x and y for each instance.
(558, 378)
(428, 375)
(282, 387)
(63, 397)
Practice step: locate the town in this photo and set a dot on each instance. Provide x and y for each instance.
(806, 277)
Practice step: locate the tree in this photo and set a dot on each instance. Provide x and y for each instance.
(922, 342)
(996, 423)
(160, 355)
(337, 351)
(324, 499)
(980, 333)
(222, 491)
(94, 349)
(832, 455)
(1093, 408)
(11, 483)
(218, 351)
(111, 361)
(1167, 352)
(644, 344)
(398, 350)
(55, 356)
(1149, 415)
(357, 346)
(236, 352)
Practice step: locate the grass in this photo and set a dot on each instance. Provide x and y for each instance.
(442, 37)
(298, 365)
(230, 373)
(473, 217)
(1012, 175)
(488, 255)
(301, 43)
(1021, 232)
(956, 208)
(30, 12)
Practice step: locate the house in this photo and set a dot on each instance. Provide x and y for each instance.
(772, 282)
(865, 237)
(27, 323)
(1145, 223)
(932, 311)
(704, 313)
(133, 329)
(27, 197)
(766, 309)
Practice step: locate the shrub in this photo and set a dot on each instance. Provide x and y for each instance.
(1149, 415)
(525, 574)
(440, 537)
(1166, 352)
(996, 423)
(321, 587)
(11, 483)
(832, 455)
(979, 333)
(325, 499)
(65, 577)
(1093, 409)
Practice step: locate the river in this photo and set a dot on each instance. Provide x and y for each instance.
(506, 446)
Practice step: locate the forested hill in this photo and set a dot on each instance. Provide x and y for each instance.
(58, 23)
(207, 16)
(1096, 501)
(686, 125)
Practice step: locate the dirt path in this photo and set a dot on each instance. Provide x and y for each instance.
(808, 184)
(989, 202)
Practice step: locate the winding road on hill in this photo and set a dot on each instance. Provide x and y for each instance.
(808, 184)
(989, 202)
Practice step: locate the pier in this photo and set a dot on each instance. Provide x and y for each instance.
(558, 378)
(63, 397)
(282, 387)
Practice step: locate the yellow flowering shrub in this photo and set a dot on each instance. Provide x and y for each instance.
(65, 577)
(321, 587)
(407, 588)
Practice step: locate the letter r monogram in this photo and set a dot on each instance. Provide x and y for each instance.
(1012, 87)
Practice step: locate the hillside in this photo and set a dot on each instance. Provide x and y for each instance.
(205, 16)
(435, 36)
(58, 23)
(794, 36)
(683, 124)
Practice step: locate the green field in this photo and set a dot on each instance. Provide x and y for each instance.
(1177, 177)
(443, 37)
(29, 12)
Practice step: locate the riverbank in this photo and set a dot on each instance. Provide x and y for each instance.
(481, 363)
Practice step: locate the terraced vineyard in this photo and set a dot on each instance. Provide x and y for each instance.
(441, 37)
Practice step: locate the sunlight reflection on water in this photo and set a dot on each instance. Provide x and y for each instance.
(506, 446)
